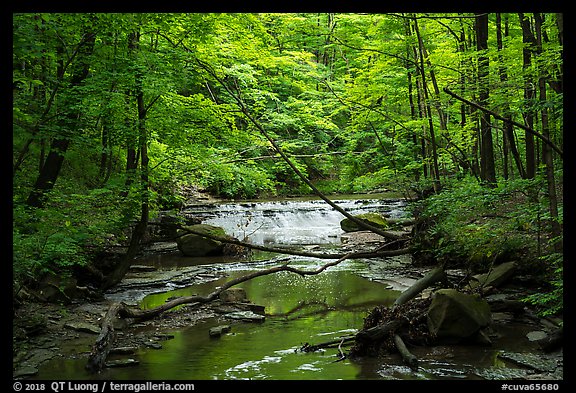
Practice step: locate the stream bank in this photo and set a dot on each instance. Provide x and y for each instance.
(52, 333)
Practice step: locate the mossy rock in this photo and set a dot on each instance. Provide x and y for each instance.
(456, 315)
(193, 245)
(375, 219)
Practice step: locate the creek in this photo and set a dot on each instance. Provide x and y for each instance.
(298, 309)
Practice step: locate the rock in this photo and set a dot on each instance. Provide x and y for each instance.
(25, 371)
(142, 268)
(375, 219)
(57, 289)
(122, 363)
(197, 246)
(455, 315)
(163, 336)
(248, 316)
(123, 350)
(153, 345)
(83, 327)
(233, 295)
(502, 373)
(31, 325)
(217, 331)
(536, 335)
(226, 308)
(530, 360)
(495, 277)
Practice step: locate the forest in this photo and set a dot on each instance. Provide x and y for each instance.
(118, 117)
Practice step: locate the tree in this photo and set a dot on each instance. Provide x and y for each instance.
(529, 92)
(487, 168)
(68, 121)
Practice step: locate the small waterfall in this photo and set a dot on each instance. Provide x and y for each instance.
(294, 222)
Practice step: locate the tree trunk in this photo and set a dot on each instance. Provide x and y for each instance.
(487, 167)
(51, 168)
(546, 151)
(435, 170)
(509, 140)
(140, 229)
(529, 94)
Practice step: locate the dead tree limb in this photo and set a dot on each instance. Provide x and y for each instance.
(433, 276)
(237, 97)
(105, 340)
(107, 336)
(407, 356)
(371, 254)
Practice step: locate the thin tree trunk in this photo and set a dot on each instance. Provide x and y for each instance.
(51, 168)
(546, 151)
(435, 170)
(529, 94)
(509, 140)
(487, 167)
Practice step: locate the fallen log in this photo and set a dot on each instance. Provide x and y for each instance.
(370, 254)
(407, 356)
(377, 332)
(433, 276)
(105, 341)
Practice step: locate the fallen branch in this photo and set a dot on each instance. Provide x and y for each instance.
(105, 340)
(236, 96)
(407, 356)
(432, 277)
(371, 254)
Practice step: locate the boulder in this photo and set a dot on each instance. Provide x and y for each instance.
(233, 295)
(55, 288)
(193, 245)
(454, 315)
(495, 277)
(375, 219)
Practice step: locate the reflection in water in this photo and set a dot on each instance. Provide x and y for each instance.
(299, 309)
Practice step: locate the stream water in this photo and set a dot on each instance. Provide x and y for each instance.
(298, 309)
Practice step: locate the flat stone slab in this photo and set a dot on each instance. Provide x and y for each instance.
(245, 316)
(530, 360)
(83, 327)
(25, 371)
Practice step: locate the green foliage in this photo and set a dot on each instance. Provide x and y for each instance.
(481, 225)
(551, 300)
(67, 232)
(338, 92)
(236, 182)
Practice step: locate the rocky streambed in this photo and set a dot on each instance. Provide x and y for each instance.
(49, 338)
(44, 333)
